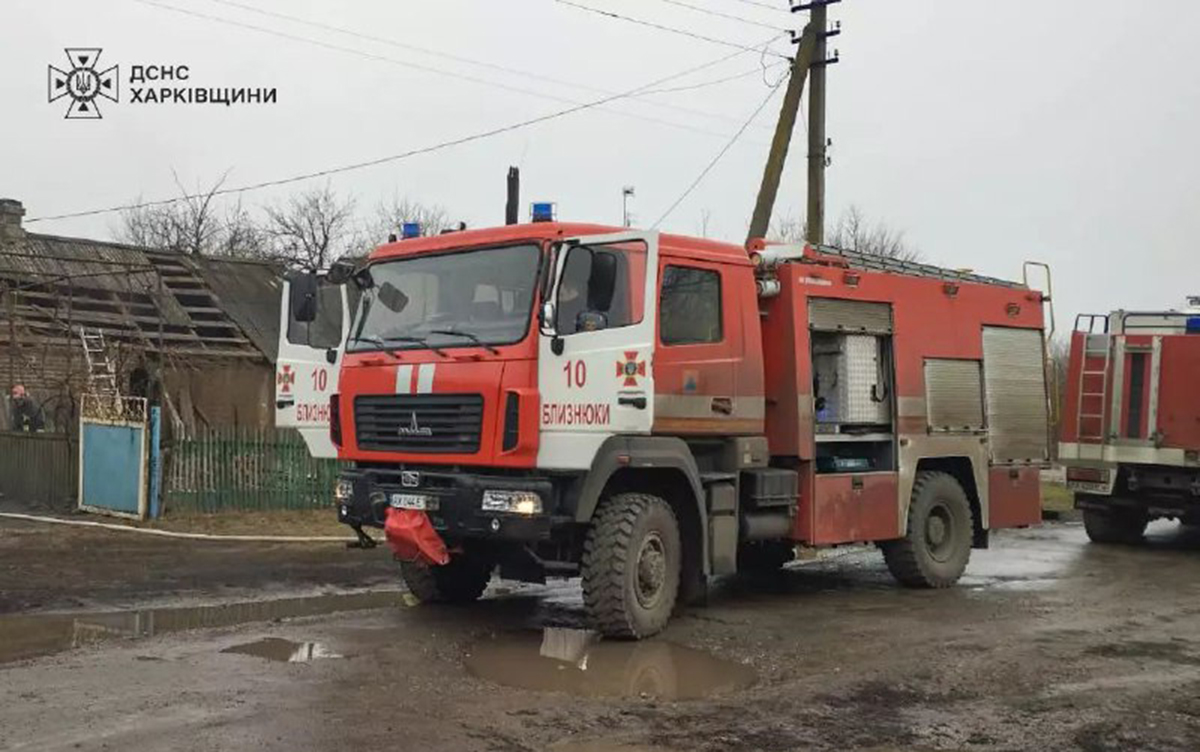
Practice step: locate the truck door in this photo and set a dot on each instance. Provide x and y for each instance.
(596, 349)
(304, 377)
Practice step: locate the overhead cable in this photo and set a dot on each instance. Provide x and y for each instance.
(404, 154)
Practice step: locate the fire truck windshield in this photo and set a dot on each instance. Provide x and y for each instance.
(463, 299)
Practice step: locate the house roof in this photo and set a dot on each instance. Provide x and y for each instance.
(153, 299)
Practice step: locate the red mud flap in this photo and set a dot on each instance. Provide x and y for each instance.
(411, 537)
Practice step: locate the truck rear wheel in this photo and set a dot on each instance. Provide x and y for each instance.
(462, 580)
(631, 566)
(937, 547)
(1114, 525)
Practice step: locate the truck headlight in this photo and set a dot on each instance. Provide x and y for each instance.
(343, 491)
(515, 502)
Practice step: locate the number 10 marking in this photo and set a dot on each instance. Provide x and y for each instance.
(576, 371)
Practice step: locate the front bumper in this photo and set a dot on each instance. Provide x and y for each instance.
(459, 496)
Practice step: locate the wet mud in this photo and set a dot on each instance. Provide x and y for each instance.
(1049, 643)
(37, 635)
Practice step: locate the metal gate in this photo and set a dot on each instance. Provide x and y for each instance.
(113, 455)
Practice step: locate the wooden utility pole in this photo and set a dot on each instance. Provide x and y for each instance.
(767, 192)
(815, 216)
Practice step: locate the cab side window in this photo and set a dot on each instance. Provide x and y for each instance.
(690, 306)
(600, 288)
(326, 331)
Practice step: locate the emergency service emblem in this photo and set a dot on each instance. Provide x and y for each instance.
(285, 378)
(84, 84)
(631, 368)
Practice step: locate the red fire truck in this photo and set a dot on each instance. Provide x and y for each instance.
(1131, 420)
(648, 410)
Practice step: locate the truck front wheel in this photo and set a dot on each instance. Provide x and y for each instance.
(462, 580)
(1114, 525)
(937, 546)
(631, 566)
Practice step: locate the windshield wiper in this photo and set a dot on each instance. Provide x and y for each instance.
(466, 335)
(382, 342)
(374, 339)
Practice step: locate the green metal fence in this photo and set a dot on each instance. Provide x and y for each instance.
(238, 469)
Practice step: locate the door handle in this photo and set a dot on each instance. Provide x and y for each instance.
(638, 402)
(722, 405)
(280, 404)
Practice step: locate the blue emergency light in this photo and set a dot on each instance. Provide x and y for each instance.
(542, 211)
(1193, 325)
(410, 230)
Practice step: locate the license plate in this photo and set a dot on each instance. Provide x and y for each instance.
(409, 501)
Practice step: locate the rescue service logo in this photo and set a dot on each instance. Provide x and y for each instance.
(631, 368)
(285, 378)
(84, 83)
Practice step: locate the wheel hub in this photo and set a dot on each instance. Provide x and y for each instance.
(936, 531)
(939, 533)
(651, 570)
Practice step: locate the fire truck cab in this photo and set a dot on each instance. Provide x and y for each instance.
(647, 410)
(1131, 421)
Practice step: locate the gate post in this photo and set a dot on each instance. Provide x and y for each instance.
(155, 461)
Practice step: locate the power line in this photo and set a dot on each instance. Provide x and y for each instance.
(719, 14)
(708, 168)
(426, 68)
(715, 82)
(662, 27)
(405, 154)
(450, 56)
(768, 6)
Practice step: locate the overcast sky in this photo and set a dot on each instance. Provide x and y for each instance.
(989, 132)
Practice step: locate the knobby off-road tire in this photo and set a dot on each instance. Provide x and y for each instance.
(462, 580)
(1127, 526)
(937, 546)
(631, 566)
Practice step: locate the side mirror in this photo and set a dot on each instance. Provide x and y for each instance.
(549, 314)
(302, 299)
(340, 272)
(363, 279)
(602, 283)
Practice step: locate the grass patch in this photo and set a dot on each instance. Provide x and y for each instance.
(308, 522)
(1056, 498)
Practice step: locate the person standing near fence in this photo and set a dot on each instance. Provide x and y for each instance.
(26, 414)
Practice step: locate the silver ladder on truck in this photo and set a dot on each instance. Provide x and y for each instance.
(101, 373)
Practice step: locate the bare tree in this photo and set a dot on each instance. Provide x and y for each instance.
(788, 229)
(188, 224)
(852, 231)
(1058, 351)
(242, 236)
(391, 215)
(311, 229)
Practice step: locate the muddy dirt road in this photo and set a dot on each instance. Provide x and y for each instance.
(1049, 644)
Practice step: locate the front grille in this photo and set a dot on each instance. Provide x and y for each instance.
(419, 423)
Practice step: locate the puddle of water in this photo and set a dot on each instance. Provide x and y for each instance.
(577, 662)
(36, 635)
(283, 651)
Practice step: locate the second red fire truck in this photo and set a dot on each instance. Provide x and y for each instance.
(648, 410)
(1131, 420)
